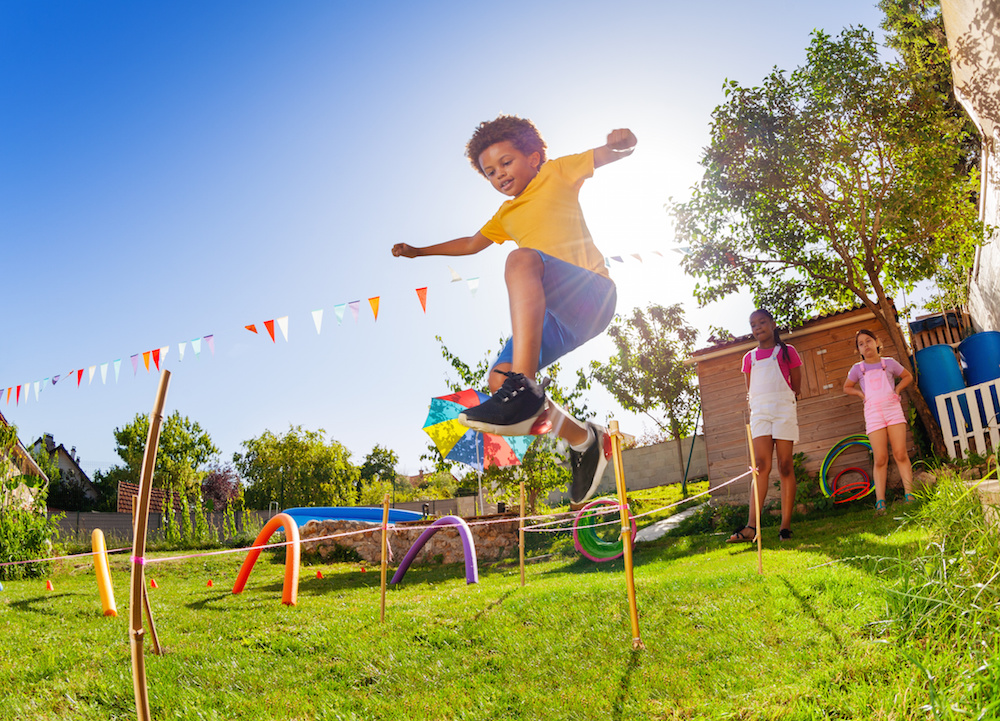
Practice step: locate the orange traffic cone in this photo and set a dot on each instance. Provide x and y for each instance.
(152, 583)
(48, 586)
(210, 583)
(364, 570)
(319, 574)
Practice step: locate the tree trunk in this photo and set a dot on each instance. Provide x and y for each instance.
(887, 316)
(680, 461)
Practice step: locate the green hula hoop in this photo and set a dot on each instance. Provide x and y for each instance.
(858, 439)
(585, 536)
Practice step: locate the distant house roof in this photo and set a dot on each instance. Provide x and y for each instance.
(22, 460)
(68, 462)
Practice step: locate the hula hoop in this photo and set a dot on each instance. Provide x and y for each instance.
(858, 439)
(857, 489)
(585, 538)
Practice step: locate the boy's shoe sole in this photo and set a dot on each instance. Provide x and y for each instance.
(588, 466)
(524, 428)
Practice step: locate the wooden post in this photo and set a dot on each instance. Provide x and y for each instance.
(137, 634)
(616, 453)
(385, 548)
(520, 534)
(145, 596)
(756, 501)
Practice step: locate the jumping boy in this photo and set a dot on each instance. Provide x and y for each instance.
(560, 293)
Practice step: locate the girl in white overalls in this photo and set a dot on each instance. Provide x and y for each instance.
(773, 375)
(874, 381)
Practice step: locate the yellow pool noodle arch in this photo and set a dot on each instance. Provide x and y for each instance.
(103, 572)
(290, 589)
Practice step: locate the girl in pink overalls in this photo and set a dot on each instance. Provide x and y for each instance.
(773, 375)
(874, 381)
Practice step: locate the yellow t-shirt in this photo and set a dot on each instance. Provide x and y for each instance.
(547, 215)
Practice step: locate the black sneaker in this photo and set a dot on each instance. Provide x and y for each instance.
(588, 465)
(511, 411)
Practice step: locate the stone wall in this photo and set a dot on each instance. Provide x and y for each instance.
(493, 541)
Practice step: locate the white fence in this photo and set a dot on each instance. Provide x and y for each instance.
(970, 419)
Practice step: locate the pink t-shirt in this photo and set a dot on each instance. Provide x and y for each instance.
(893, 370)
(794, 361)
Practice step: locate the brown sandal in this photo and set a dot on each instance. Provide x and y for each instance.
(741, 537)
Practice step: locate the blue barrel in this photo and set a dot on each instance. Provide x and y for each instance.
(938, 373)
(981, 356)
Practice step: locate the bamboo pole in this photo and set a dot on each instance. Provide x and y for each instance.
(385, 548)
(154, 637)
(616, 452)
(137, 633)
(520, 534)
(756, 501)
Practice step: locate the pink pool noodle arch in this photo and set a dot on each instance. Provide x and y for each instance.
(471, 564)
(290, 589)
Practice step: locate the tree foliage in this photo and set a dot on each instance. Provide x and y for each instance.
(220, 487)
(648, 374)
(184, 451)
(379, 465)
(299, 468)
(828, 186)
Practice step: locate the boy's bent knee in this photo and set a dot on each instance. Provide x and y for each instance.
(523, 259)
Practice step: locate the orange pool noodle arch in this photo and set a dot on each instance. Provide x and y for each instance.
(290, 590)
(103, 573)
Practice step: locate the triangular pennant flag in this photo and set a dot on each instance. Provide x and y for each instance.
(373, 302)
(163, 353)
(104, 373)
(318, 320)
(659, 253)
(55, 379)
(36, 390)
(422, 295)
(145, 360)
(196, 346)
(79, 377)
(90, 374)
(339, 312)
(210, 339)
(8, 396)
(17, 396)
(283, 326)
(156, 359)
(637, 257)
(269, 324)
(455, 277)
(135, 363)
(618, 258)
(473, 285)
(180, 351)
(355, 306)
(118, 367)
(252, 327)
(607, 262)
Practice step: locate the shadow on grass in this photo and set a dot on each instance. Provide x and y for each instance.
(810, 610)
(32, 605)
(625, 684)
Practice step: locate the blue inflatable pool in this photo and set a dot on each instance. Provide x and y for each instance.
(369, 514)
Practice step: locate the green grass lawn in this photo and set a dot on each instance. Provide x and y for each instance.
(814, 637)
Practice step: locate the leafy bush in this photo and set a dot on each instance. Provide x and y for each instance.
(25, 535)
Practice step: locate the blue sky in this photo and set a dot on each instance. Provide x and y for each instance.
(174, 170)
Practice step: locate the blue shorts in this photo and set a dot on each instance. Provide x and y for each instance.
(579, 304)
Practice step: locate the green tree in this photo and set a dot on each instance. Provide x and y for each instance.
(648, 375)
(184, 451)
(298, 468)
(832, 185)
(379, 464)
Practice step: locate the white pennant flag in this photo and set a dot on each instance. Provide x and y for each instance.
(455, 277)
(36, 390)
(180, 351)
(473, 285)
(283, 325)
(318, 319)
(196, 346)
(104, 373)
(90, 374)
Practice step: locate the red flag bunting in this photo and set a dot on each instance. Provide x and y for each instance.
(269, 324)
(156, 358)
(79, 377)
(422, 294)
(252, 327)
(17, 396)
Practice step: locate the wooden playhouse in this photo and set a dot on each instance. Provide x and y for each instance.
(826, 414)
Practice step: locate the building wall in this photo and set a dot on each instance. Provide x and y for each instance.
(825, 413)
(984, 288)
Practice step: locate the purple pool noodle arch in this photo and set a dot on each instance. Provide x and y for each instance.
(471, 564)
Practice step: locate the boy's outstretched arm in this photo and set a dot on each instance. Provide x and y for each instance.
(458, 246)
(620, 145)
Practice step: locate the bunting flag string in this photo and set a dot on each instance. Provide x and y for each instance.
(158, 355)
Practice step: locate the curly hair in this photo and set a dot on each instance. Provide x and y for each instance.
(521, 132)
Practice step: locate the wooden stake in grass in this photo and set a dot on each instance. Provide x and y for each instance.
(385, 548)
(139, 550)
(520, 534)
(756, 501)
(616, 457)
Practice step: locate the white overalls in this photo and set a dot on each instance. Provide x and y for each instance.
(772, 402)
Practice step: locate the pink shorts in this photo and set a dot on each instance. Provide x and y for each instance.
(883, 412)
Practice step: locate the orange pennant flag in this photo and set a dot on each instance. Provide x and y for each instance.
(374, 304)
(252, 327)
(422, 294)
(269, 324)
(156, 359)
(145, 359)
